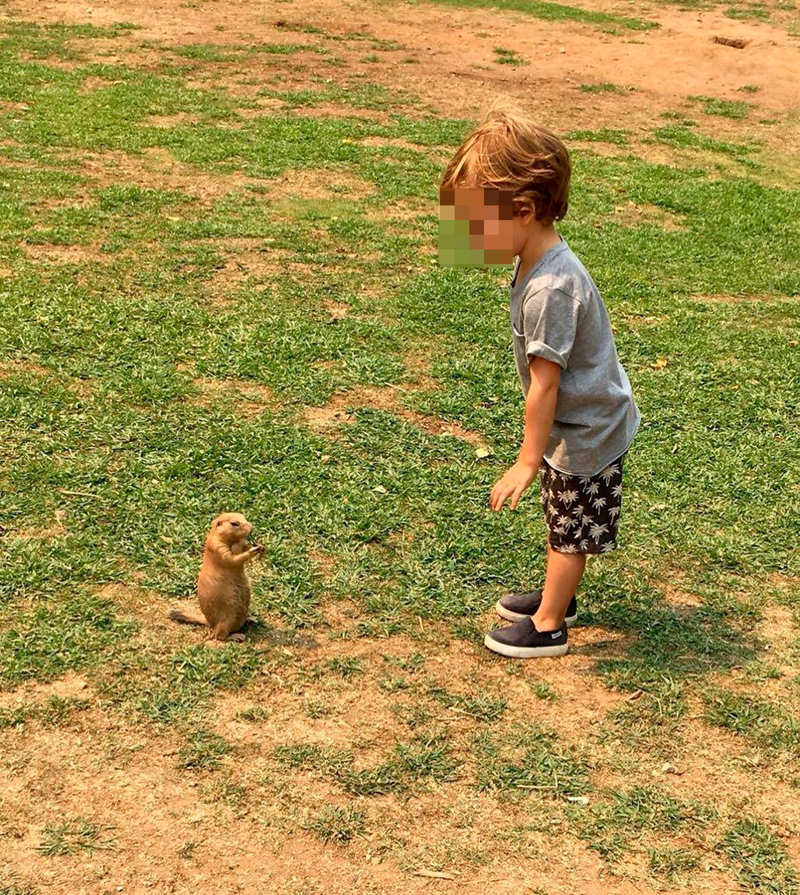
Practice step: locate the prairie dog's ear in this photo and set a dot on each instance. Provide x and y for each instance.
(219, 522)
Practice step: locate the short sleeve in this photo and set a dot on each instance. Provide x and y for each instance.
(550, 324)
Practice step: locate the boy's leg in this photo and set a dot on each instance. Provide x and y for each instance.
(562, 577)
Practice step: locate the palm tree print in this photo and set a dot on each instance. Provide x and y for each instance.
(596, 530)
(568, 497)
(608, 473)
(582, 512)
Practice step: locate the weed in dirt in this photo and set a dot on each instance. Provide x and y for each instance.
(543, 690)
(605, 135)
(604, 87)
(672, 864)
(74, 835)
(342, 666)
(559, 12)
(758, 720)
(507, 57)
(317, 708)
(255, 714)
(608, 826)
(337, 824)
(759, 858)
(530, 761)
(411, 663)
(482, 708)
(724, 107)
(203, 751)
(187, 850)
(52, 713)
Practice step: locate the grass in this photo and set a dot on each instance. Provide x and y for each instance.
(604, 87)
(408, 767)
(74, 835)
(203, 751)
(758, 720)
(725, 107)
(144, 305)
(638, 811)
(760, 858)
(507, 57)
(54, 712)
(605, 135)
(560, 12)
(537, 763)
(335, 824)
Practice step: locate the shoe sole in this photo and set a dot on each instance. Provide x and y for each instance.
(518, 616)
(524, 652)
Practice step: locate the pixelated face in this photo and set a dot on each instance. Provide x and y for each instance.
(476, 227)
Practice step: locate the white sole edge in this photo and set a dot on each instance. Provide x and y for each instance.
(511, 616)
(524, 652)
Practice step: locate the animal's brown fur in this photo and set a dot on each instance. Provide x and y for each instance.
(222, 586)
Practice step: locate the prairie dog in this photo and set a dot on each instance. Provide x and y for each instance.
(222, 586)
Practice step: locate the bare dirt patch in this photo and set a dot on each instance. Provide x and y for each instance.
(631, 214)
(156, 168)
(318, 183)
(718, 298)
(341, 409)
(247, 398)
(70, 685)
(64, 254)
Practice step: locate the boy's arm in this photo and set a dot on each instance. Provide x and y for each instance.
(540, 407)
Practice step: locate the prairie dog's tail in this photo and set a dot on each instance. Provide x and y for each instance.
(188, 618)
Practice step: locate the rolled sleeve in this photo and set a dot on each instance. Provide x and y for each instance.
(550, 324)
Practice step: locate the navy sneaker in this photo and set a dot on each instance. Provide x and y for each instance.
(522, 641)
(515, 607)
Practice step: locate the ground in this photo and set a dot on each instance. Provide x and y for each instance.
(219, 290)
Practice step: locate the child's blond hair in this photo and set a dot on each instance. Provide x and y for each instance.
(508, 151)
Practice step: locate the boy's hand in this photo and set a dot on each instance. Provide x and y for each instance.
(512, 485)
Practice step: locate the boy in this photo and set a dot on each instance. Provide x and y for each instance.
(510, 179)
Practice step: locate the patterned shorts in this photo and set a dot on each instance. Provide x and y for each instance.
(581, 511)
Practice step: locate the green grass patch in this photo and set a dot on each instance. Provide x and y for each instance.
(75, 835)
(203, 751)
(680, 135)
(55, 638)
(507, 57)
(531, 761)
(760, 12)
(759, 858)
(603, 87)
(52, 713)
(604, 135)
(559, 12)
(337, 824)
(609, 825)
(755, 719)
(409, 766)
(727, 108)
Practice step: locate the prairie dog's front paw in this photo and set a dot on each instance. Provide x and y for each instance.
(257, 550)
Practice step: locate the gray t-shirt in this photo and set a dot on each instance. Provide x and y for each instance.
(557, 313)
